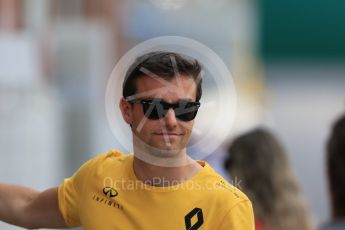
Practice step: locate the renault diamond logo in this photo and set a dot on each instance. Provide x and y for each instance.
(110, 192)
(196, 213)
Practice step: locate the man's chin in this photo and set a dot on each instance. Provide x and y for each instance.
(160, 148)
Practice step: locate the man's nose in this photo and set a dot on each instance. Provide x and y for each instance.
(170, 119)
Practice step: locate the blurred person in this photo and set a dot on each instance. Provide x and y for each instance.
(157, 187)
(335, 159)
(259, 165)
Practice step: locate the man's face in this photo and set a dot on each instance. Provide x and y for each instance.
(167, 133)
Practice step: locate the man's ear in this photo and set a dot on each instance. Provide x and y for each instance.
(126, 110)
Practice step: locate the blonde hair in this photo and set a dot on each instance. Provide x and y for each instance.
(260, 163)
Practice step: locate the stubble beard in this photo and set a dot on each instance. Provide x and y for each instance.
(168, 156)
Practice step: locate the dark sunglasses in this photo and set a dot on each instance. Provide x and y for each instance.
(155, 109)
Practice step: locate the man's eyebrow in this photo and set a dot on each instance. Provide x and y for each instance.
(183, 100)
(186, 99)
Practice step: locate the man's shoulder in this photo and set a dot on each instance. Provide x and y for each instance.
(110, 155)
(221, 189)
(106, 160)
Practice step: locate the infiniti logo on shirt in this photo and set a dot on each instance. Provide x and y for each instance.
(110, 192)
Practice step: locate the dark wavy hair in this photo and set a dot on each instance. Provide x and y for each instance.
(336, 167)
(162, 64)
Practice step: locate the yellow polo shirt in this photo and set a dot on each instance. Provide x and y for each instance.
(105, 194)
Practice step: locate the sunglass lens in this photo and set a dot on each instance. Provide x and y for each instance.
(186, 111)
(187, 116)
(152, 110)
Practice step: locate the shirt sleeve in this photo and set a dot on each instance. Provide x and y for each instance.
(239, 217)
(69, 194)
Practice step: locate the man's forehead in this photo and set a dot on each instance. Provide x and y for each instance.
(182, 87)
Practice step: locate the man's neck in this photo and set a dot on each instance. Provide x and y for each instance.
(163, 176)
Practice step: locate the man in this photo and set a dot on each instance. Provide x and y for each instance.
(159, 186)
(336, 175)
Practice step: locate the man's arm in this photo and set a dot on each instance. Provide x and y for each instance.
(28, 208)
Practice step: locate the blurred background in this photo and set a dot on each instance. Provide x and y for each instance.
(287, 61)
